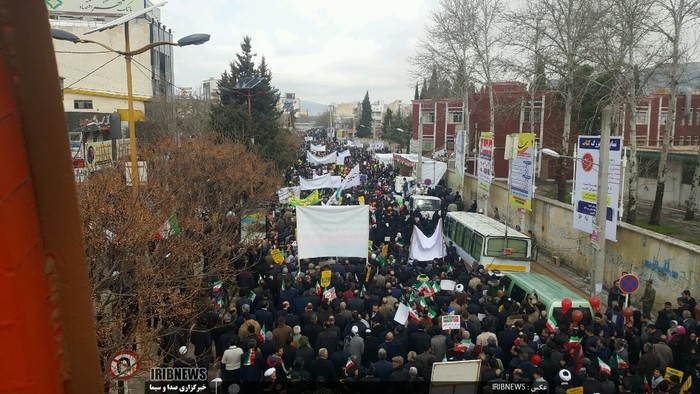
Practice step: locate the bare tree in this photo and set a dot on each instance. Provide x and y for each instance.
(678, 15)
(567, 27)
(693, 195)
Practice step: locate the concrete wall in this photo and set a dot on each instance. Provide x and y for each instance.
(674, 265)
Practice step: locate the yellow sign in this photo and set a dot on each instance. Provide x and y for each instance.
(312, 199)
(673, 372)
(361, 200)
(277, 256)
(575, 390)
(385, 250)
(326, 278)
(686, 386)
(522, 172)
(98, 154)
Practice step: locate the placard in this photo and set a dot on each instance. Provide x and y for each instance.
(673, 372)
(450, 322)
(277, 256)
(401, 314)
(447, 284)
(326, 278)
(485, 163)
(522, 172)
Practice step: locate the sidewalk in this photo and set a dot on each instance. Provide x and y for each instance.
(580, 285)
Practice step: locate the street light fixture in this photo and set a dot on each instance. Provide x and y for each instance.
(193, 39)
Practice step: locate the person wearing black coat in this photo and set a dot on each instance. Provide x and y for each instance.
(322, 366)
(327, 338)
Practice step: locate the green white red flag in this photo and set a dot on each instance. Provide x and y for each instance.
(551, 324)
(604, 367)
(168, 229)
(349, 364)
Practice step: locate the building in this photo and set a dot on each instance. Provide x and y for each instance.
(398, 106)
(378, 110)
(210, 89)
(94, 79)
(290, 106)
(441, 119)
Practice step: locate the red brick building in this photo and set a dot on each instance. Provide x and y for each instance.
(651, 120)
(443, 117)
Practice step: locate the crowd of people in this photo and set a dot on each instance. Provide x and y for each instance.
(282, 332)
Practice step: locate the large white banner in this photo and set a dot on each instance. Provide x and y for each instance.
(485, 173)
(317, 148)
(330, 159)
(322, 182)
(335, 180)
(330, 231)
(586, 186)
(427, 248)
(459, 154)
(340, 160)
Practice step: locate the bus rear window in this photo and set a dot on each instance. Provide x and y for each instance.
(513, 249)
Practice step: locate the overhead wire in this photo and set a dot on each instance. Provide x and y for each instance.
(92, 72)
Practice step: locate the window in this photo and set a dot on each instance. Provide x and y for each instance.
(495, 247)
(467, 239)
(82, 104)
(455, 117)
(518, 293)
(427, 145)
(477, 243)
(537, 113)
(662, 117)
(429, 117)
(648, 167)
(450, 145)
(640, 117)
(687, 172)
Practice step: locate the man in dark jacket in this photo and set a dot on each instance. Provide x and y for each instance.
(327, 338)
(383, 368)
(398, 374)
(264, 316)
(322, 366)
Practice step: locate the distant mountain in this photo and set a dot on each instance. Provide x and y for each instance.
(314, 109)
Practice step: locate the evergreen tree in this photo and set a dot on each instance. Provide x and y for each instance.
(365, 118)
(424, 90)
(258, 129)
(434, 85)
(416, 95)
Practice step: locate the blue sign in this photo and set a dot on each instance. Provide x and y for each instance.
(629, 284)
(363, 179)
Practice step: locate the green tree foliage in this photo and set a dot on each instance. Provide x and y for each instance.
(416, 94)
(365, 118)
(260, 129)
(424, 90)
(393, 123)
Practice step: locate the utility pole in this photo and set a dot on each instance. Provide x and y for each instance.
(419, 164)
(601, 203)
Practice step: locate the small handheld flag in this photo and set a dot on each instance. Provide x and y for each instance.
(261, 336)
(604, 367)
(551, 324)
(349, 364)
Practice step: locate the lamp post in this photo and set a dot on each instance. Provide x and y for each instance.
(249, 96)
(193, 39)
(601, 200)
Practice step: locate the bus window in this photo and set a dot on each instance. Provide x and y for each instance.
(587, 319)
(495, 246)
(475, 251)
(459, 231)
(517, 294)
(449, 223)
(467, 240)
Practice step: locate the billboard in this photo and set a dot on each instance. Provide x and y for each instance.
(586, 184)
(485, 163)
(98, 154)
(97, 7)
(522, 172)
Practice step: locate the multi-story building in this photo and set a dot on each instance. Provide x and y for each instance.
(442, 118)
(398, 106)
(94, 79)
(378, 110)
(210, 89)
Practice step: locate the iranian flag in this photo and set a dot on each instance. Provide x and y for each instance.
(318, 288)
(621, 363)
(349, 364)
(423, 288)
(463, 346)
(251, 296)
(436, 287)
(249, 358)
(412, 314)
(604, 367)
(297, 276)
(168, 229)
(217, 286)
(284, 285)
(399, 245)
(261, 335)
(423, 305)
(646, 384)
(551, 324)
(362, 291)
(431, 314)
(381, 260)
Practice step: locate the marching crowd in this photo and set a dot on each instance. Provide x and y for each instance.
(283, 332)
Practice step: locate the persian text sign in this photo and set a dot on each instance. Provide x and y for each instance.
(586, 185)
(485, 163)
(450, 322)
(459, 154)
(522, 172)
(116, 7)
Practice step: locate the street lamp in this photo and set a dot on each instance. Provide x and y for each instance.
(193, 39)
(248, 84)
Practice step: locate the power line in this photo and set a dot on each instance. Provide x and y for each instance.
(92, 72)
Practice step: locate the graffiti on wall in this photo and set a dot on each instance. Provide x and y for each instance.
(677, 281)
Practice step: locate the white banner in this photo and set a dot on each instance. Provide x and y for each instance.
(284, 193)
(586, 186)
(308, 139)
(459, 154)
(317, 148)
(424, 248)
(330, 231)
(376, 145)
(322, 182)
(340, 160)
(330, 159)
(485, 173)
(335, 180)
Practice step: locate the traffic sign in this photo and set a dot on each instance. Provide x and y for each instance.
(124, 365)
(629, 283)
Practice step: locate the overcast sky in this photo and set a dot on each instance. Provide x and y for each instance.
(324, 51)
